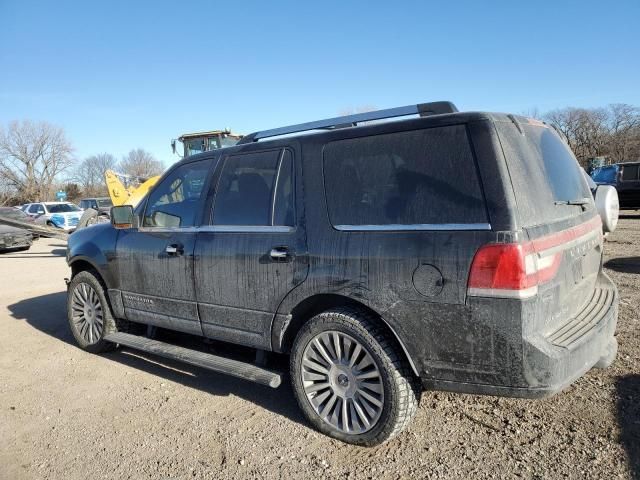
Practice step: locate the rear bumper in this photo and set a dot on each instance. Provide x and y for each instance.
(549, 368)
(546, 365)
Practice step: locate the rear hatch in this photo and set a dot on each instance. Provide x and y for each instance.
(558, 217)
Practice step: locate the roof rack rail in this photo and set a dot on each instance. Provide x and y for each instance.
(422, 109)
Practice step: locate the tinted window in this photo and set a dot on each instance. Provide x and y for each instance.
(544, 173)
(35, 208)
(605, 174)
(62, 208)
(629, 172)
(175, 201)
(407, 178)
(245, 192)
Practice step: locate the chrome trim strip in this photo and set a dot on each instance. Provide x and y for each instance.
(275, 188)
(503, 293)
(416, 227)
(167, 229)
(246, 229)
(571, 243)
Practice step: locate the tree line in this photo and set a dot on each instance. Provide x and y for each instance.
(612, 132)
(36, 160)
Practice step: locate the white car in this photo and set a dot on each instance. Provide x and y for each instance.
(64, 215)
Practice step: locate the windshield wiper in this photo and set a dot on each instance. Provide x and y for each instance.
(582, 202)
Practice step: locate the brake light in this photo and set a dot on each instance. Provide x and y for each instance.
(511, 270)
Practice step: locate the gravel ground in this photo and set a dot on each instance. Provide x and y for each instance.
(68, 414)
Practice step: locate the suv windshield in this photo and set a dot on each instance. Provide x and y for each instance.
(62, 208)
(104, 202)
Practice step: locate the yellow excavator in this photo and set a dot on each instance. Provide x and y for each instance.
(199, 142)
(131, 191)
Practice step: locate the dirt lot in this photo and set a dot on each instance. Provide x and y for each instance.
(68, 414)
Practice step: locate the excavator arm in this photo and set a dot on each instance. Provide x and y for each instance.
(123, 195)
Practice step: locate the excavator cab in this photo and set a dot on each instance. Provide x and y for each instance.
(205, 141)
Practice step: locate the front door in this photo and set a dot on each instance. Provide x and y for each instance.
(252, 253)
(155, 261)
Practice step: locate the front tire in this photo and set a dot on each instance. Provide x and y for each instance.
(350, 379)
(89, 313)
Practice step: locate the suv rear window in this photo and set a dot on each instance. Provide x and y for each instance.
(544, 173)
(420, 177)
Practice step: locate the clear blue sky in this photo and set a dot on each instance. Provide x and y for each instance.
(124, 74)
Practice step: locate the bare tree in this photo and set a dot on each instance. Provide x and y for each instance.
(90, 174)
(140, 163)
(624, 132)
(612, 132)
(31, 156)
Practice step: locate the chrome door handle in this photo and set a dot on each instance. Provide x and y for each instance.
(279, 253)
(174, 249)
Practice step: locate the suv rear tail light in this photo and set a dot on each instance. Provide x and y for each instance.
(511, 270)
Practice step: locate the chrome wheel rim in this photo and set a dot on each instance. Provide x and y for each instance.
(342, 382)
(86, 312)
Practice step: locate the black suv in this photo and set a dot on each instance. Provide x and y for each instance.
(450, 251)
(625, 177)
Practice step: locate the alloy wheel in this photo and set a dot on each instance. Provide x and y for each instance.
(342, 382)
(87, 314)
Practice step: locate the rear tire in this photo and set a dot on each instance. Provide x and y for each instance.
(350, 379)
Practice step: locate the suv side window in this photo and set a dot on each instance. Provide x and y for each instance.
(174, 202)
(416, 178)
(630, 173)
(247, 193)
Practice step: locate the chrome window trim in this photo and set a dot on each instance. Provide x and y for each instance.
(220, 229)
(414, 227)
(167, 229)
(275, 186)
(246, 228)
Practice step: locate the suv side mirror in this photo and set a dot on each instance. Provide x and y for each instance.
(122, 217)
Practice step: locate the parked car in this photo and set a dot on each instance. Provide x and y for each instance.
(625, 177)
(14, 213)
(12, 238)
(96, 210)
(454, 251)
(100, 204)
(62, 215)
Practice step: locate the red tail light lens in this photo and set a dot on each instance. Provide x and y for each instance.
(510, 270)
(516, 269)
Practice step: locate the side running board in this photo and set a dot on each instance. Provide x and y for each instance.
(247, 371)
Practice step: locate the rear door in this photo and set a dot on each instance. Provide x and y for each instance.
(155, 261)
(557, 213)
(253, 251)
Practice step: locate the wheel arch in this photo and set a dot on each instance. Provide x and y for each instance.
(318, 303)
(81, 264)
